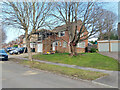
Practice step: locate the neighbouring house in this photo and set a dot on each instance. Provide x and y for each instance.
(20, 41)
(4, 45)
(108, 45)
(37, 40)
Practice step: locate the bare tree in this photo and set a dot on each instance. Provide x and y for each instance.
(27, 16)
(106, 24)
(2, 35)
(74, 14)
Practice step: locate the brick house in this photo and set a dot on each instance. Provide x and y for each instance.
(57, 40)
(20, 40)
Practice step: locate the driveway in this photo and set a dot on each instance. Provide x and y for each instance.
(115, 55)
(18, 76)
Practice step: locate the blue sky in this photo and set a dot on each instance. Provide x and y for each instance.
(13, 33)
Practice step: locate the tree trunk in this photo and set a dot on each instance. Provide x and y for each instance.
(73, 49)
(29, 49)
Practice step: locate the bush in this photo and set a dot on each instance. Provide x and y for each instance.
(15, 46)
(92, 50)
(56, 51)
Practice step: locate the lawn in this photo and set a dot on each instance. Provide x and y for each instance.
(93, 60)
(71, 72)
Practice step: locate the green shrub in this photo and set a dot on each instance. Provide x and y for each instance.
(93, 50)
(15, 46)
(56, 51)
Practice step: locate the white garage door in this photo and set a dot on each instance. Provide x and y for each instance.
(114, 47)
(103, 47)
(40, 48)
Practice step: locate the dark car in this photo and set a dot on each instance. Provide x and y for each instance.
(3, 55)
(18, 50)
(22, 50)
(8, 49)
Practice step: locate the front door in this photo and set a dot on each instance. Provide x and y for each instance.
(53, 46)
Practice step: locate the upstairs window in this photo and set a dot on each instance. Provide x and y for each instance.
(40, 37)
(62, 33)
(82, 34)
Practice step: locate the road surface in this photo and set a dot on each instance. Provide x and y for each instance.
(18, 76)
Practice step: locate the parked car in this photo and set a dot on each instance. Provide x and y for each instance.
(18, 51)
(10, 49)
(3, 55)
(11, 52)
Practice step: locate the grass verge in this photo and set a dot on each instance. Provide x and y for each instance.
(71, 72)
(93, 60)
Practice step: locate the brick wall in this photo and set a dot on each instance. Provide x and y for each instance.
(47, 44)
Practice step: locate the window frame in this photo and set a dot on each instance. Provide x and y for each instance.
(61, 33)
(79, 44)
(64, 46)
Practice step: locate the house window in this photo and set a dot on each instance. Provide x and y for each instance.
(62, 33)
(64, 44)
(32, 45)
(40, 37)
(56, 43)
(81, 45)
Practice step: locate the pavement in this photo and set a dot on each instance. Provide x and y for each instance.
(111, 80)
(18, 76)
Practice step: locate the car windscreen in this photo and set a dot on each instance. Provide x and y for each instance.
(22, 48)
(2, 51)
(17, 49)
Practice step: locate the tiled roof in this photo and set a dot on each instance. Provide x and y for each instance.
(63, 27)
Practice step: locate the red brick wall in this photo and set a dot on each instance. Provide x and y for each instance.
(47, 44)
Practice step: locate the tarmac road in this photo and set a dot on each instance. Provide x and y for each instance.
(18, 76)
